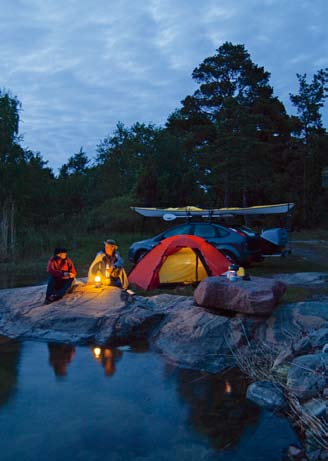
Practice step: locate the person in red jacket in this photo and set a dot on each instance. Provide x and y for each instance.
(61, 275)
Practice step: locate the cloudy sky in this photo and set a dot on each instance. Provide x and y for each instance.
(80, 66)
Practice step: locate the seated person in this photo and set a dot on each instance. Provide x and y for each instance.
(61, 275)
(108, 263)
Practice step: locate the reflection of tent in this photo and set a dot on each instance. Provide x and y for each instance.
(178, 259)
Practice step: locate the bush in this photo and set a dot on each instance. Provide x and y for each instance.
(114, 215)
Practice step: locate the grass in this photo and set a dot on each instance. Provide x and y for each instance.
(310, 234)
(287, 265)
(295, 294)
(83, 248)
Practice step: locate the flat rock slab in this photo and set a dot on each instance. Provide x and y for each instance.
(258, 296)
(87, 314)
(303, 278)
(185, 333)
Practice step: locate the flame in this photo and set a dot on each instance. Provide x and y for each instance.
(97, 278)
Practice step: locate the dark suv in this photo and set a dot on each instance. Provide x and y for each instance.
(234, 244)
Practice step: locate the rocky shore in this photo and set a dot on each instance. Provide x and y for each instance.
(283, 347)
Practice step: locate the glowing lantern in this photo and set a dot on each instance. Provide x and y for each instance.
(98, 280)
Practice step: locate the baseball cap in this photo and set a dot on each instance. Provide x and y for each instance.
(110, 242)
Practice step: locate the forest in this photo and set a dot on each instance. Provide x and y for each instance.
(230, 143)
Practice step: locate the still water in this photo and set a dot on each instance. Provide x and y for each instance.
(63, 403)
(12, 279)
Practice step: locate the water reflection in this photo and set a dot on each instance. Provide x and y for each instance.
(149, 411)
(107, 357)
(60, 356)
(9, 363)
(217, 405)
(12, 279)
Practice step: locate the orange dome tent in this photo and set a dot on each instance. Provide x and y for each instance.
(178, 259)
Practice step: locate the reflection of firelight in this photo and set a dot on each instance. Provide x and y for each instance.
(227, 387)
(97, 352)
(108, 353)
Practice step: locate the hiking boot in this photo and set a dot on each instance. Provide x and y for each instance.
(50, 299)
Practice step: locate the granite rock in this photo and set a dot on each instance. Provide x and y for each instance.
(258, 296)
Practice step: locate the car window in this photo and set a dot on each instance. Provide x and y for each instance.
(221, 231)
(204, 230)
(180, 230)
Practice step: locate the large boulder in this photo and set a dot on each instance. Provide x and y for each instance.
(258, 296)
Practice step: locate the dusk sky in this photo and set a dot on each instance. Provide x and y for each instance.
(80, 66)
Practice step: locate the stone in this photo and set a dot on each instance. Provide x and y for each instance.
(266, 394)
(302, 345)
(258, 296)
(313, 447)
(313, 455)
(292, 321)
(319, 337)
(87, 314)
(295, 453)
(307, 376)
(298, 346)
(315, 407)
(287, 354)
(324, 455)
(194, 338)
(303, 278)
(185, 333)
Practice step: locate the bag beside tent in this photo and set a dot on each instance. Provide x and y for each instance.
(178, 259)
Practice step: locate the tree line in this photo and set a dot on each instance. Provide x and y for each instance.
(230, 143)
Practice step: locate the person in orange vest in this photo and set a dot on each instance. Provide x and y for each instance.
(61, 275)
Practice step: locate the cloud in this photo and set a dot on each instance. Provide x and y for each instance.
(80, 66)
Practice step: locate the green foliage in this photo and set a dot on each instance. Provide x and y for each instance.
(313, 141)
(113, 215)
(77, 164)
(241, 124)
(230, 144)
(9, 125)
(25, 183)
(310, 100)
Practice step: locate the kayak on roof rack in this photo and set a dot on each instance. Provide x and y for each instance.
(192, 211)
